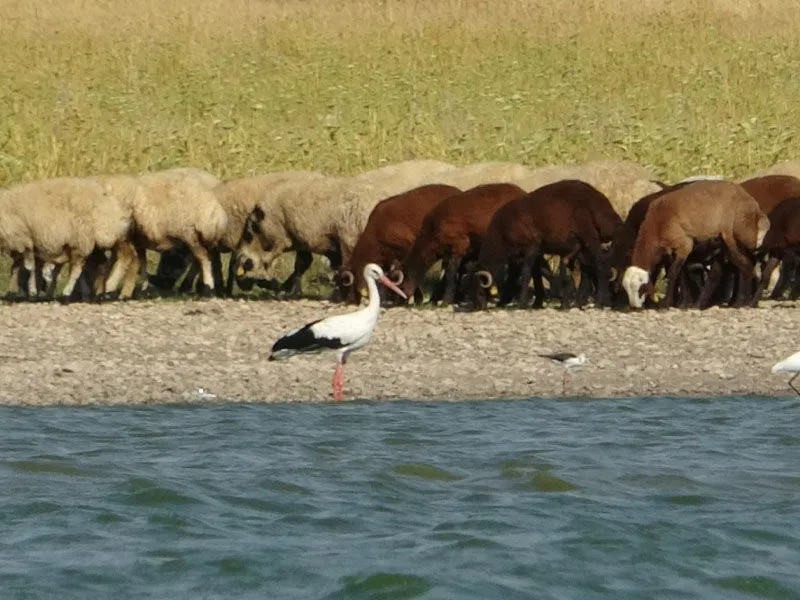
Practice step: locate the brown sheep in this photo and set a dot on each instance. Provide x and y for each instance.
(452, 231)
(388, 235)
(677, 220)
(567, 218)
(771, 190)
(782, 242)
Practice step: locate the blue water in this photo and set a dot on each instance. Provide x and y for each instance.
(646, 498)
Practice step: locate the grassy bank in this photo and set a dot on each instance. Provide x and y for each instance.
(250, 86)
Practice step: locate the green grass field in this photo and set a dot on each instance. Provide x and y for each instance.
(250, 86)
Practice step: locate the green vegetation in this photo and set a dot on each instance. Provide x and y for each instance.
(250, 86)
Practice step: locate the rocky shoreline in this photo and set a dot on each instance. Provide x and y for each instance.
(215, 350)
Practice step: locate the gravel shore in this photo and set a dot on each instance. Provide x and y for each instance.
(166, 351)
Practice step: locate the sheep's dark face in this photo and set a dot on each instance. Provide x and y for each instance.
(347, 285)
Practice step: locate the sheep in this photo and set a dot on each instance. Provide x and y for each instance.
(61, 220)
(307, 217)
(480, 173)
(771, 190)
(403, 176)
(781, 243)
(678, 219)
(786, 167)
(622, 182)
(238, 198)
(567, 218)
(323, 216)
(452, 231)
(389, 233)
(179, 207)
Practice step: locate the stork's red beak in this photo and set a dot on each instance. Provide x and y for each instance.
(391, 285)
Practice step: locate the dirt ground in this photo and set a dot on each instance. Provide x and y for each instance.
(168, 351)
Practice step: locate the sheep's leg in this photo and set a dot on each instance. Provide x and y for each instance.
(672, 279)
(172, 263)
(201, 255)
(124, 257)
(766, 274)
(510, 285)
(451, 280)
(14, 283)
(29, 263)
(745, 267)
(538, 282)
(302, 262)
(189, 281)
(216, 267)
(75, 269)
(526, 272)
(710, 285)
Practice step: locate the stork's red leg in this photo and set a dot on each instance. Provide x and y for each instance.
(338, 382)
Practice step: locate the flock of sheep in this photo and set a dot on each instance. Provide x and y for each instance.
(500, 232)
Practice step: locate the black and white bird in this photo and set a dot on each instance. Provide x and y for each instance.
(342, 333)
(790, 364)
(568, 361)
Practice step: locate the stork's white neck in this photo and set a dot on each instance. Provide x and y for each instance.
(374, 305)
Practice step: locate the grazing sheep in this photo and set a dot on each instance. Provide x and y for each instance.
(771, 190)
(677, 220)
(179, 207)
(480, 173)
(782, 243)
(61, 220)
(400, 177)
(786, 167)
(324, 216)
(304, 217)
(389, 233)
(622, 182)
(568, 218)
(452, 232)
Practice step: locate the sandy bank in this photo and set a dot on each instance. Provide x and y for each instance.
(160, 351)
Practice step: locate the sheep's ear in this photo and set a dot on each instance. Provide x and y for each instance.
(247, 236)
(258, 213)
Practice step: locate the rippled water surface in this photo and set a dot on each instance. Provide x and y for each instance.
(648, 498)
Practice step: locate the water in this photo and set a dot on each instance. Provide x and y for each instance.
(647, 498)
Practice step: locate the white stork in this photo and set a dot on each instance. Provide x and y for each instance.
(790, 364)
(343, 333)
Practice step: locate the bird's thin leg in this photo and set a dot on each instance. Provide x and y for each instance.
(564, 383)
(338, 381)
(791, 385)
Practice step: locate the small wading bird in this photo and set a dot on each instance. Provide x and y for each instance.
(568, 361)
(342, 333)
(790, 364)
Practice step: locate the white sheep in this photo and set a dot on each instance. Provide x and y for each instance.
(622, 182)
(322, 216)
(60, 220)
(477, 174)
(400, 177)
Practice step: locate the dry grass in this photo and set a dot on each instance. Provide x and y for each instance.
(248, 86)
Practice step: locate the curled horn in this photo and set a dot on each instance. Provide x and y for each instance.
(614, 274)
(346, 278)
(397, 277)
(485, 278)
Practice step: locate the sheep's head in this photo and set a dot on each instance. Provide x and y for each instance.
(636, 283)
(261, 243)
(347, 285)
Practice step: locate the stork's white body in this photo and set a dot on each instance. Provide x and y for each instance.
(341, 333)
(790, 364)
